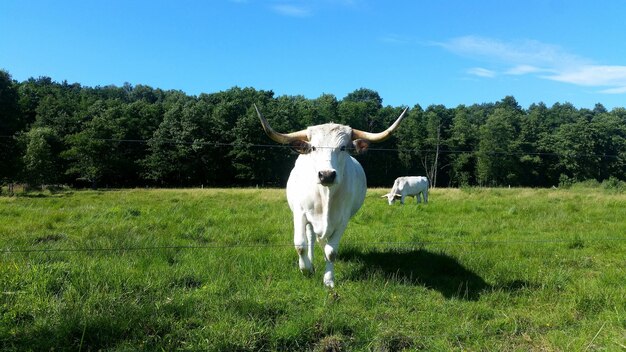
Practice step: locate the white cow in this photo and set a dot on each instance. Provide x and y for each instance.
(326, 186)
(408, 186)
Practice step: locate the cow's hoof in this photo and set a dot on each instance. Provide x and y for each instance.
(307, 271)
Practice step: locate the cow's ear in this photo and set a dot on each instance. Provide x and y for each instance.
(301, 147)
(361, 145)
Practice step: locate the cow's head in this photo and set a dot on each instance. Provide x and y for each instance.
(329, 145)
(391, 197)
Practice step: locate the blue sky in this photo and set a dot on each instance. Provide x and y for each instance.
(410, 52)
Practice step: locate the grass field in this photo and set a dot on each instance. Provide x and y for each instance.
(475, 269)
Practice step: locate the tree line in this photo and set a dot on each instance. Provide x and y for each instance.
(130, 136)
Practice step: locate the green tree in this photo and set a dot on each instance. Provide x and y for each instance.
(535, 158)
(247, 163)
(463, 141)
(437, 121)
(364, 95)
(97, 153)
(497, 150)
(409, 140)
(575, 144)
(10, 123)
(177, 146)
(326, 109)
(610, 129)
(39, 160)
(360, 109)
(381, 162)
(271, 163)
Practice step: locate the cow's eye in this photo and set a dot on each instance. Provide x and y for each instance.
(313, 148)
(343, 148)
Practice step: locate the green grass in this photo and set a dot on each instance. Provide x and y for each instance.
(475, 269)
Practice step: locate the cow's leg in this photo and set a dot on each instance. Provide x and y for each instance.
(417, 197)
(331, 247)
(310, 237)
(301, 243)
(425, 195)
(402, 199)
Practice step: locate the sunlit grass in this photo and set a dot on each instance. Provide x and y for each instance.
(214, 269)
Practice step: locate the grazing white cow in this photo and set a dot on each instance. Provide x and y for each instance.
(408, 186)
(326, 186)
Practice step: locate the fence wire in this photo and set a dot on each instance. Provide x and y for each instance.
(403, 150)
(369, 245)
(410, 244)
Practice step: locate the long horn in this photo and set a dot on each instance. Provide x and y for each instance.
(280, 137)
(381, 136)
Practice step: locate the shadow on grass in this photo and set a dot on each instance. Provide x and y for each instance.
(418, 267)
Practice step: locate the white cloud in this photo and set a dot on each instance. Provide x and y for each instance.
(307, 8)
(524, 69)
(343, 2)
(547, 61)
(292, 10)
(394, 39)
(592, 75)
(481, 72)
(526, 52)
(617, 90)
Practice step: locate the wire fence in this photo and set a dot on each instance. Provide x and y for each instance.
(369, 245)
(442, 150)
(409, 244)
(404, 150)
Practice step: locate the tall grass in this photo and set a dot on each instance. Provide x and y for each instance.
(475, 269)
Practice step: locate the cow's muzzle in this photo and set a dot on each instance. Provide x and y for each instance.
(327, 177)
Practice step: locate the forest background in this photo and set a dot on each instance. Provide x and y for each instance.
(55, 133)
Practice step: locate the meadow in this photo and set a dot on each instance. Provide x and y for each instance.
(215, 270)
